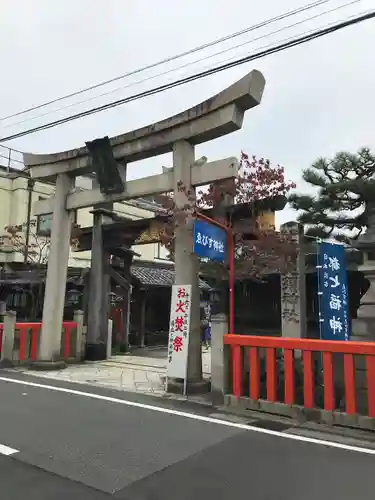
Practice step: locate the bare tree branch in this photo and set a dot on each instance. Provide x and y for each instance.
(38, 246)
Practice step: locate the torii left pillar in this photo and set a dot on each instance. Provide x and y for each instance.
(49, 356)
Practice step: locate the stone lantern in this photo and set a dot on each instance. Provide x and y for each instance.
(364, 326)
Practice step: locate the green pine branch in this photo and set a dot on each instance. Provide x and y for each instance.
(345, 194)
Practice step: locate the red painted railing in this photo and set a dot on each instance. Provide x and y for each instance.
(33, 330)
(307, 347)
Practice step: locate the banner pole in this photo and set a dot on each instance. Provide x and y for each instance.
(318, 267)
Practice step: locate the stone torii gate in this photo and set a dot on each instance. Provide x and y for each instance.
(213, 118)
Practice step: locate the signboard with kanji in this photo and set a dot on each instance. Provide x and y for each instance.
(210, 241)
(179, 327)
(335, 322)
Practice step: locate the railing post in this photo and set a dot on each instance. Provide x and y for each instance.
(8, 339)
(109, 339)
(78, 318)
(219, 328)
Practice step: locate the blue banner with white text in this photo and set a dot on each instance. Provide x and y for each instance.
(210, 242)
(335, 321)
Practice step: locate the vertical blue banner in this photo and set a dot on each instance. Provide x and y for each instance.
(335, 321)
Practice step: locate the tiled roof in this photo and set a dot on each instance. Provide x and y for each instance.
(152, 275)
(148, 273)
(34, 277)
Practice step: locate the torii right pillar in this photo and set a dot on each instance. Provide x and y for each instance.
(187, 265)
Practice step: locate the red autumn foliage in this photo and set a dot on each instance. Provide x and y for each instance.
(258, 180)
(258, 250)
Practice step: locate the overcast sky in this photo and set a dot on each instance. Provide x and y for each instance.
(319, 97)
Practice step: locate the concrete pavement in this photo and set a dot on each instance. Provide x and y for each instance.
(142, 372)
(82, 442)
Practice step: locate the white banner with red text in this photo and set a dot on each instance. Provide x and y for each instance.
(179, 328)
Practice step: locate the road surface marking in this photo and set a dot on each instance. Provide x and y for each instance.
(192, 416)
(5, 450)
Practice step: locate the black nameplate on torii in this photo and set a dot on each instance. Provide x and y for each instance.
(105, 166)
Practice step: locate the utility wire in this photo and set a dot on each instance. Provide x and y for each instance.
(173, 58)
(11, 149)
(11, 159)
(293, 43)
(69, 106)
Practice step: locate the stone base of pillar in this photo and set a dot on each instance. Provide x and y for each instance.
(48, 365)
(219, 363)
(124, 348)
(6, 363)
(96, 352)
(176, 386)
(217, 397)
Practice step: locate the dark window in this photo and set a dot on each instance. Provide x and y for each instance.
(44, 222)
(161, 252)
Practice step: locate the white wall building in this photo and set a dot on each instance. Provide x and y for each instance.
(16, 200)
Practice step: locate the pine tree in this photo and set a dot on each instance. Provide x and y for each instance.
(344, 205)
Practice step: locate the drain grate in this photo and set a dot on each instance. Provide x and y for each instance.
(271, 425)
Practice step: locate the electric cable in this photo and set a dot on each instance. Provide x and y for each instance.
(162, 88)
(173, 58)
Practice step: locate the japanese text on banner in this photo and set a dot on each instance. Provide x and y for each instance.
(179, 327)
(209, 241)
(333, 292)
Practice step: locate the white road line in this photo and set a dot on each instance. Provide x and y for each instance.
(5, 450)
(192, 416)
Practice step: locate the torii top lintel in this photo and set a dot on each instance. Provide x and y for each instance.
(217, 116)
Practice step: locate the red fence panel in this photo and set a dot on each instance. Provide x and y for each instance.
(254, 373)
(349, 374)
(289, 382)
(237, 371)
(370, 375)
(271, 374)
(35, 332)
(329, 392)
(23, 329)
(327, 351)
(308, 380)
(31, 331)
(68, 326)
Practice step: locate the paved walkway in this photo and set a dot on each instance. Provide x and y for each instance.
(143, 371)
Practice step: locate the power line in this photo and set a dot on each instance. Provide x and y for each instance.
(308, 19)
(173, 58)
(293, 43)
(284, 46)
(10, 160)
(11, 149)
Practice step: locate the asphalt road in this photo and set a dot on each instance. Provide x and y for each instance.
(110, 445)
